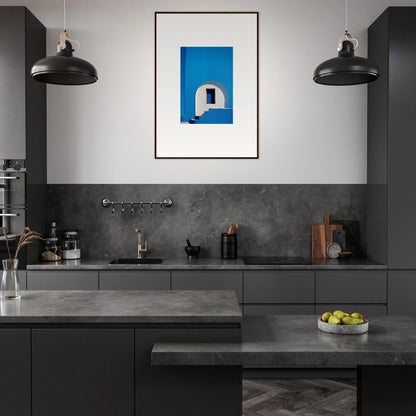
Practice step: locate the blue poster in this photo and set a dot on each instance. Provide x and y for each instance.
(207, 85)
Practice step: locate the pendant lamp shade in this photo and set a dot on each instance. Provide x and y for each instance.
(64, 69)
(346, 68)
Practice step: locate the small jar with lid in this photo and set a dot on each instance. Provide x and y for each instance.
(70, 249)
(51, 250)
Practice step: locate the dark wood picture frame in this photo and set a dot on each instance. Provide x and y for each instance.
(257, 84)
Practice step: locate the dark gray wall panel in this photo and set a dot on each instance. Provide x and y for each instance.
(15, 389)
(367, 286)
(201, 212)
(83, 372)
(57, 280)
(279, 287)
(278, 309)
(208, 280)
(364, 308)
(141, 280)
(402, 292)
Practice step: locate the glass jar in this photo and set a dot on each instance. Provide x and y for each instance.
(70, 249)
(51, 250)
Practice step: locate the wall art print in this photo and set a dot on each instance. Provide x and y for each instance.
(206, 85)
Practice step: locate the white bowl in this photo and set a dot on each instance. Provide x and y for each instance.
(343, 329)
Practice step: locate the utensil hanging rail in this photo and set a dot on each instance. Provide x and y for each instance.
(136, 206)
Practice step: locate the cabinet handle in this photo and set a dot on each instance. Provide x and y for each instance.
(9, 215)
(9, 178)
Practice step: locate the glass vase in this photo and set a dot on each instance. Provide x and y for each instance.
(10, 287)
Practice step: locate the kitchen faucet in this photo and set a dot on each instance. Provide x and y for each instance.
(140, 250)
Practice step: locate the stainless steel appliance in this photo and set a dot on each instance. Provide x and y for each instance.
(13, 196)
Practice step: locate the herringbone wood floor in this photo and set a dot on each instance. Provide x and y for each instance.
(293, 397)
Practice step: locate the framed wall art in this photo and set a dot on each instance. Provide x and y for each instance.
(206, 85)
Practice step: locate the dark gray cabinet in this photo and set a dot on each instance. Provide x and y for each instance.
(22, 279)
(82, 372)
(364, 308)
(160, 389)
(279, 309)
(366, 286)
(402, 292)
(208, 280)
(391, 139)
(279, 286)
(15, 384)
(65, 280)
(23, 119)
(135, 280)
(23, 110)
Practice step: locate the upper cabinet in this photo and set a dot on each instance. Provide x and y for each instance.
(22, 100)
(392, 139)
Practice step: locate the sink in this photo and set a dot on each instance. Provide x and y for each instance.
(136, 261)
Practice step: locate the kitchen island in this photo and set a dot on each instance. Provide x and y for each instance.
(385, 357)
(89, 353)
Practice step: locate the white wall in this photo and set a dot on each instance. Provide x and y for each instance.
(104, 133)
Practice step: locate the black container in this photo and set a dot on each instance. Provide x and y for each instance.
(228, 246)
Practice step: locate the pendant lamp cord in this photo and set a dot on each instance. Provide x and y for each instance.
(64, 15)
(346, 35)
(346, 16)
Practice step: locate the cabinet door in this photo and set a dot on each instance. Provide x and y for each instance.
(22, 279)
(15, 372)
(186, 390)
(364, 308)
(135, 280)
(208, 280)
(12, 87)
(279, 309)
(83, 372)
(62, 280)
(361, 286)
(279, 287)
(402, 289)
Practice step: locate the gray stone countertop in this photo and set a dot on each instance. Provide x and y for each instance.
(274, 341)
(131, 307)
(208, 264)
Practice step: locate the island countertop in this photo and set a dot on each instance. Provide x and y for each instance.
(124, 307)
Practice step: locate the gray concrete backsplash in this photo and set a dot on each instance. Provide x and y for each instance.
(275, 220)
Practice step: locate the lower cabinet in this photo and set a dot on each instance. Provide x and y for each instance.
(350, 286)
(15, 383)
(402, 291)
(132, 280)
(186, 390)
(208, 280)
(62, 280)
(276, 292)
(279, 309)
(364, 308)
(81, 372)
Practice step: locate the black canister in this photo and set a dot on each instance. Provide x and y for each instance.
(228, 246)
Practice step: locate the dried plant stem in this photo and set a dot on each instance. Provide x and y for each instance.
(7, 243)
(26, 238)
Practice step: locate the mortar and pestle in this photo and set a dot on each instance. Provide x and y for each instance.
(192, 251)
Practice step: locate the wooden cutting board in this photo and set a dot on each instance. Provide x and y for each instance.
(322, 236)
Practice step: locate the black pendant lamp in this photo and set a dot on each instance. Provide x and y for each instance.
(346, 68)
(64, 68)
